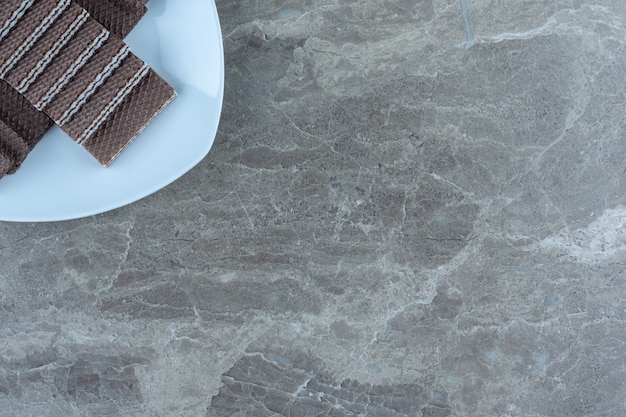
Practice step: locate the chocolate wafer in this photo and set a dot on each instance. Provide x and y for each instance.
(7, 150)
(17, 112)
(134, 113)
(13, 144)
(137, 4)
(25, 125)
(119, 16)
(6, 162)
(89, 80)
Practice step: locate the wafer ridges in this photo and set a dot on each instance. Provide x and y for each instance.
(64, 63)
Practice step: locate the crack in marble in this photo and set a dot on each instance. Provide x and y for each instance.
(468, 26)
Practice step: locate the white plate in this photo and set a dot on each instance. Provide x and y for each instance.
(182, 41)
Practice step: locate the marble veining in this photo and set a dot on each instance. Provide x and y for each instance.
(412, 208)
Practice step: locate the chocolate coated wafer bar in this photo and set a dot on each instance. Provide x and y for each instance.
(25, 126)
(118, 16)
(15, 111)
(6, 161)
(138, 4)
(13, 145)
(18, 113)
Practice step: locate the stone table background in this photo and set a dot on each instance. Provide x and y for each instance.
(412, 208)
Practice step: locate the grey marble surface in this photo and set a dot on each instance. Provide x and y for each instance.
(412, 208)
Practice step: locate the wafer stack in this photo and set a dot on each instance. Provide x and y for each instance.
(64, 62)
